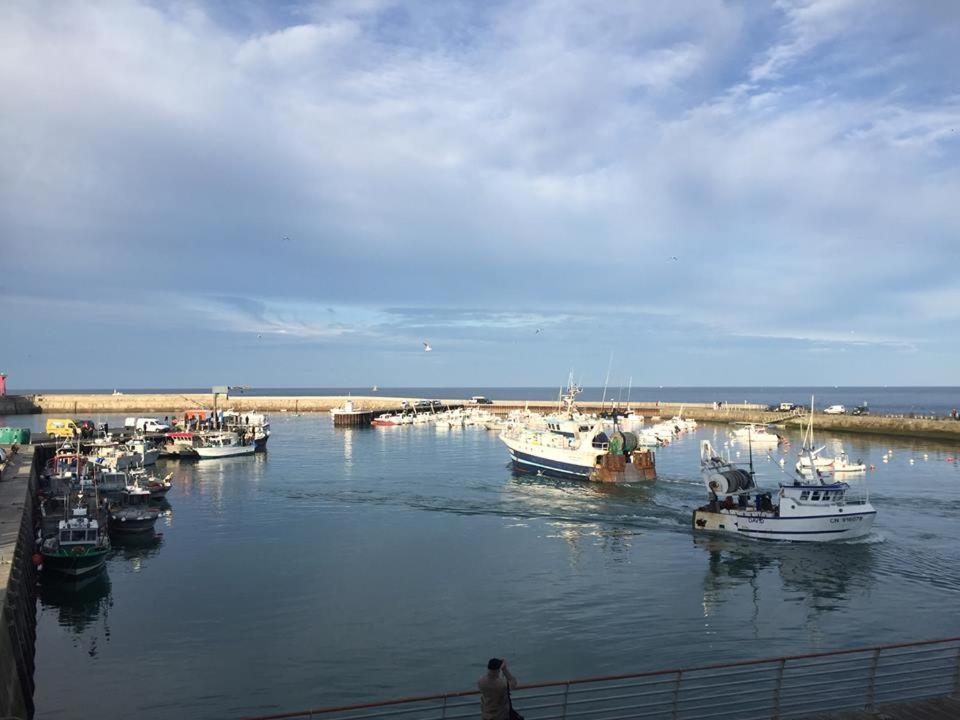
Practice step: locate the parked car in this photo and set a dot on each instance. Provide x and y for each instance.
(88, 428)
(835, 410)
(481, 400)
(787, 407)
(861, 410)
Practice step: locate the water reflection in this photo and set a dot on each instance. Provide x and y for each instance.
(824, 576)
(79, 605)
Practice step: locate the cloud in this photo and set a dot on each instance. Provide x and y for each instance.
(482, 168)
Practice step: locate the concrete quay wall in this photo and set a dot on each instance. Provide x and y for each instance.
(18, 581)
(17, 405)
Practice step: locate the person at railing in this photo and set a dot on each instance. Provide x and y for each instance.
(494, 690)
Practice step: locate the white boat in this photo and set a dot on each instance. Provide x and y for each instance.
(809, 456)
(842, 464)
(755, 435)
(250, 426)
(573, 447)
(181, 444)
(805, 511)
(145, 451)
(113, 455)
(221, 445)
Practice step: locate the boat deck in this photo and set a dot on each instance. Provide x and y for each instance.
(938, 709)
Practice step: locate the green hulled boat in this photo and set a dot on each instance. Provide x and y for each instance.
(79, 548)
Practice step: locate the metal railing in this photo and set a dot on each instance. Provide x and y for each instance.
(783, 688)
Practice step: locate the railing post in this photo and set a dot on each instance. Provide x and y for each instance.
(676, 695)
(563, 710)
(778, 686)
(872, 681)
(443, 710)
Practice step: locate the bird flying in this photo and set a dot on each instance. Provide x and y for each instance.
(426, 347)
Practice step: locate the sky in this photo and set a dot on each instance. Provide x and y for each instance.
(301, 194)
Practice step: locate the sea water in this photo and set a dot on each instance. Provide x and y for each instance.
(359, 564)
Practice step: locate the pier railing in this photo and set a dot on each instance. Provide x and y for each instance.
(781, 688)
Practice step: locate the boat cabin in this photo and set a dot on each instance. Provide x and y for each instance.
(78, 531)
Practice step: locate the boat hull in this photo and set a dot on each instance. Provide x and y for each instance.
(767, 526)
(206, 453)
(132, 525)
(549, 466)
(71, 565)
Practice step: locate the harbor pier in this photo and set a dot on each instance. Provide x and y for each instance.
(18, 580)
(939, 429)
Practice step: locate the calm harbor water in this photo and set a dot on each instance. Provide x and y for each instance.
(352, 564)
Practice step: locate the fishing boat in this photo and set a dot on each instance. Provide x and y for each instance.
(386, 420)
(572, 446)
(181, 444)
(807, 511)
(132, 512)
(221, 445)
(145, 452)
(158, 487)
(80, 544)
(250, 426)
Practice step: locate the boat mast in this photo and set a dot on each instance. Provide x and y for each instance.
(606, 382)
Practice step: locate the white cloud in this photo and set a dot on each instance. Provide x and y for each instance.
(519, 157)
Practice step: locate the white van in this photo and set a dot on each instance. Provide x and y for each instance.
(150, 425)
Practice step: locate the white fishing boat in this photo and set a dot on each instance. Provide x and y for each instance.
(386, 420)
(807, 511)
(221, 445)
(573, 447)
(181, 444)
(250, 426)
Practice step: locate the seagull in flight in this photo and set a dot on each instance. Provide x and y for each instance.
(673, 257)
(426, 347)
(538, 331)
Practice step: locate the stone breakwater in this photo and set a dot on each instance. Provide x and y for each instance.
(170, 403)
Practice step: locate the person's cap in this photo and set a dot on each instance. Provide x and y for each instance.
(494, 664)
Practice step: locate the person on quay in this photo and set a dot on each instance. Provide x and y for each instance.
(495, 690)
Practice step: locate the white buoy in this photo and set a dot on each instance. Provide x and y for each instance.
(911, 461)
(924, 456)
(885, 458)
(782, 461)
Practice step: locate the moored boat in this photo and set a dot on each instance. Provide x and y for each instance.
(223, 444)
(132, 512)
(79, 547)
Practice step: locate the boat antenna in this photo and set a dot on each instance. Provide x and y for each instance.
(629, 388)
(750, 448)
(606, 382)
